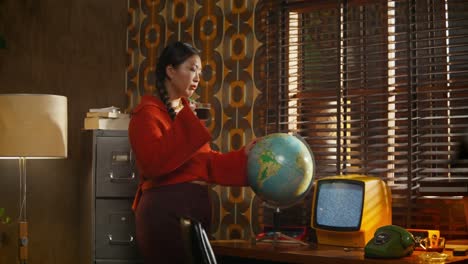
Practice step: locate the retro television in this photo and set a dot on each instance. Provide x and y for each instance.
(347, 210)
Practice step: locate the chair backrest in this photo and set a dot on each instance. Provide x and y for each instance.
(197, 245)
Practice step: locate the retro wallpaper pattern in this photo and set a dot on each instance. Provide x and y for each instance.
(231, 37)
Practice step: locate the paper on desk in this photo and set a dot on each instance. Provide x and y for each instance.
(111, 109)
(107, 114)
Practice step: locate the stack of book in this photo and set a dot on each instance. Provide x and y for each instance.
(106, 118)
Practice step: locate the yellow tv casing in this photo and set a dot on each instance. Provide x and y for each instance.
(376, 212)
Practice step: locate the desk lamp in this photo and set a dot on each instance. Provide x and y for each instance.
(32, 126)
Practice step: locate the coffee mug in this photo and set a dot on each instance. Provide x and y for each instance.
(203, 110)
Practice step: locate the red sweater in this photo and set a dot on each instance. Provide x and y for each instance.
(174, 151)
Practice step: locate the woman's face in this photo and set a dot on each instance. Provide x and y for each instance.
(183, 80)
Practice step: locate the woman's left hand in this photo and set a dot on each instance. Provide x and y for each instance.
(250, 146)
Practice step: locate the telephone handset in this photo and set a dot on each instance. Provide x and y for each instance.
(390, 241)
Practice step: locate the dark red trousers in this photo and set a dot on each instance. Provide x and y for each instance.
(158, 214)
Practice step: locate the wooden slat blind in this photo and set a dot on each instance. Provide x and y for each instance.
(375, 87)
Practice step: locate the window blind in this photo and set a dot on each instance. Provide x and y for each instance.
(375, 87)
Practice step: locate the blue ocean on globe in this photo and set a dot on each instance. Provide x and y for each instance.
(280, 169)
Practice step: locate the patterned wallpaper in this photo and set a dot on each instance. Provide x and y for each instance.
(231, 36)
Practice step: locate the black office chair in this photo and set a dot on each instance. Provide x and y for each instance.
(197, 246)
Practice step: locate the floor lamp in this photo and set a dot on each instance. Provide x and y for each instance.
(32, 126)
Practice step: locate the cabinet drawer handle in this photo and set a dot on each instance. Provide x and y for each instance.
(120, 242)
(113, 179)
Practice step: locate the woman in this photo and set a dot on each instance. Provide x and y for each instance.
(174, 158)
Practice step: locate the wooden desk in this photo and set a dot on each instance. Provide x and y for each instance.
(289, 253)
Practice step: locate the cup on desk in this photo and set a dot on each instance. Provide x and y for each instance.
(203, 110)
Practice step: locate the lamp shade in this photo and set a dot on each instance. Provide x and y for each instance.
(33, 126)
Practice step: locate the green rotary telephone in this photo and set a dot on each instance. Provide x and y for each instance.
(390, 241)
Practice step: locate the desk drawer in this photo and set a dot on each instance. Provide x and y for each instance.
(116, 174)
(115, 230)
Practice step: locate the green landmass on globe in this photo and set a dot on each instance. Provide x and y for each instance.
(268, 166)
(280, 169)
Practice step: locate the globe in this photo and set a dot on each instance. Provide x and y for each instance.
(280, 169)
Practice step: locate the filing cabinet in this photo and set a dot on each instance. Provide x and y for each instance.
(107, 189)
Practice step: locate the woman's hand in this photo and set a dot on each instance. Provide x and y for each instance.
(193, 106)
(187, 102)
(250, 146)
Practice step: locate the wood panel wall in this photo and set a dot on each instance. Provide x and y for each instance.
(73, 48)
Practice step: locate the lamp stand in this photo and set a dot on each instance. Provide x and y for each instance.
(33, 126)
(23, 222)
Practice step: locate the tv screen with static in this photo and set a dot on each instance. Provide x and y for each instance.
(347, 209)
(339, 205)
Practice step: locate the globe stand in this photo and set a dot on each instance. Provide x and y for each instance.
(276, 236)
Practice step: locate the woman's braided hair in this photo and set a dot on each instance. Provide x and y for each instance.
(173, 55)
